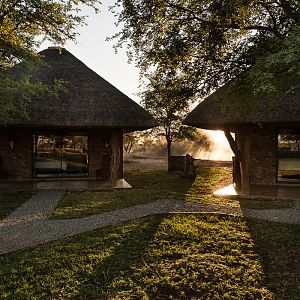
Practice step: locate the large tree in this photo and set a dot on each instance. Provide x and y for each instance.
(24, 25)
(208, 42)
(168, 101)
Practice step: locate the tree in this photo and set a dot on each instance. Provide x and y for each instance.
(208, 42)
(24, 25)
(130, 139)
(169, 103)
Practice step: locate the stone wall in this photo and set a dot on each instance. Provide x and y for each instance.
(99, 149)
(258, 146)
(18, 161)
(176, 163)
(263, 160)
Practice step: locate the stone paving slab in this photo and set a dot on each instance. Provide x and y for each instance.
(16, 236)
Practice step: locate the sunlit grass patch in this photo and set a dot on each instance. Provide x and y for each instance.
(152, 185)
(148, 186)
(11, 201)
(162, 257)
(209, 180)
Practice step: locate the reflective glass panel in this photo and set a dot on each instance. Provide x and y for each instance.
(60, 155)
(289, 155)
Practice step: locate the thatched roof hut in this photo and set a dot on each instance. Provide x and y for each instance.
(89, 100)
(266, 130)
(78, 133)
(225, 109)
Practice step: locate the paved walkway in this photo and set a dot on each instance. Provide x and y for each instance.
(29, 225)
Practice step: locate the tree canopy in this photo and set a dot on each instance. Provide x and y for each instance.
(169, 103)
(24, 25)
(210, 42)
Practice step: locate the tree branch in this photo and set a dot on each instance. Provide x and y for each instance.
(233, 145)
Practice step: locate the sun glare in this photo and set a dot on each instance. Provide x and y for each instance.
(218, 137)
(219, 149)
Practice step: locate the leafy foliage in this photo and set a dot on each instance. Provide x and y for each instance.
(168, 101)
(16, 94)
(210, 42)
(24, 25)
(129, 140)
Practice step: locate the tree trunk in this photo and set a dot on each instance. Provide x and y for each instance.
(244, 141)
(169, 152)
(238, 159)
(169, 149)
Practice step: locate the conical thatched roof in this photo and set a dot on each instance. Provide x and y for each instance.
(89, 102)
(224, 108)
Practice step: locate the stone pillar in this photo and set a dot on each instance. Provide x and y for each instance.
(258, 146)
(116, 145)
(121, 172)
(17, 161)
(99, 148)
(243, 139)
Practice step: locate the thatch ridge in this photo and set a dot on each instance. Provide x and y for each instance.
(90, 101)
(224, 108)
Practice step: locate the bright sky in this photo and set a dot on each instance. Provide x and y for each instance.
(99, 55)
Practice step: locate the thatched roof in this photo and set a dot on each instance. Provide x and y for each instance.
(89, 102)
(229, 107)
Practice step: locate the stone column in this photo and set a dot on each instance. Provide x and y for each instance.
(115, 163)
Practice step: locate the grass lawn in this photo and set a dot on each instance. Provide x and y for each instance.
(203, 256)
(152, 185)
(11, 201)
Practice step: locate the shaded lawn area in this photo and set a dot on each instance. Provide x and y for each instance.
(203, 256)
(11, 201)
(151, 185)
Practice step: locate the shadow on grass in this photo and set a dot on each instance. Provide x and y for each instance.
(10, 201)
(278, 247)
(128, 253)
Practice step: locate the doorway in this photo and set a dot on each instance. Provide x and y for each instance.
(60, 155)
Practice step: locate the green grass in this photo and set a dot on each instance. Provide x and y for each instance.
(209, 180)
(148, 186)
(152, 185)
(11, 201)
(161, 257)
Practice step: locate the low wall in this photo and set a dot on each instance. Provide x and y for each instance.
(182, 163)
(176, 163)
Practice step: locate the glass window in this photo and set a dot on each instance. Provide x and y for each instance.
(289, 155)
(60, 155)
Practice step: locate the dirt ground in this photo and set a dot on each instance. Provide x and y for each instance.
(141, 162)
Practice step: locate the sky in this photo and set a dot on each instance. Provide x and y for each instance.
(99, 55)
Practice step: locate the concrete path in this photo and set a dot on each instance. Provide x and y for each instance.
(26, 228)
